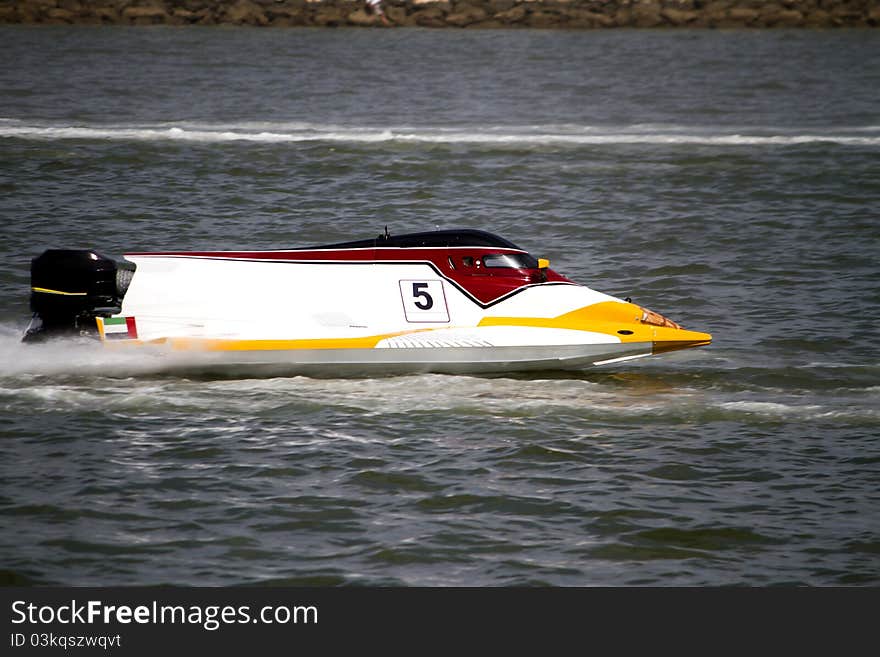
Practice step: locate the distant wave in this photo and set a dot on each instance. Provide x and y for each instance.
(516, 136)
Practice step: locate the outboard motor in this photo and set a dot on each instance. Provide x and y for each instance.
(70, 287)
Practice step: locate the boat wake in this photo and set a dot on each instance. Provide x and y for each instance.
(75, 375)
(65, 358)
(513, 136)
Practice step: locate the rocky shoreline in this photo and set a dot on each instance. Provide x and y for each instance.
(570, 14)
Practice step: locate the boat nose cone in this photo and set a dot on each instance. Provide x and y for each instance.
(669, 339)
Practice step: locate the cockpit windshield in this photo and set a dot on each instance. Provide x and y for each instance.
(510, 260)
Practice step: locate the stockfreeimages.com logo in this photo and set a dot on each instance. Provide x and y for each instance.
(210, 617)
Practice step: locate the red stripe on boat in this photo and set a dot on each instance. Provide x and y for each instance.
(484, 284)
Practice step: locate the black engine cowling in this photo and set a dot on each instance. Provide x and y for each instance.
(70, 287)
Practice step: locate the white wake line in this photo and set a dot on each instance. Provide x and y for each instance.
(419, 136)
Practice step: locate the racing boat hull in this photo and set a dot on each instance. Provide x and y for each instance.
(445, 301)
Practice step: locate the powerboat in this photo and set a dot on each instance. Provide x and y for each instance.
(449, 301)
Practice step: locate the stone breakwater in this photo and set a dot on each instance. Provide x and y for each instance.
(572, 14)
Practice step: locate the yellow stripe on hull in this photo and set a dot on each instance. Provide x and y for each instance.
(610, 318)
(620, 320)
(216, 344)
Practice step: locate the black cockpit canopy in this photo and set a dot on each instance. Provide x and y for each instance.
(434, 239)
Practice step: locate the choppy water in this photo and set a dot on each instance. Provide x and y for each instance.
(729, 180)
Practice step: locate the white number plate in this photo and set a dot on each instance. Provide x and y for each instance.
(424, 301)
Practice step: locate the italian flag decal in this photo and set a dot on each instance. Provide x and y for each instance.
(117, 328)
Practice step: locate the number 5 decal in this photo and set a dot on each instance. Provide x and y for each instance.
(424, 301)
(419, 291)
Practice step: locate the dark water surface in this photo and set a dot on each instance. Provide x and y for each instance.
(729, 180)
